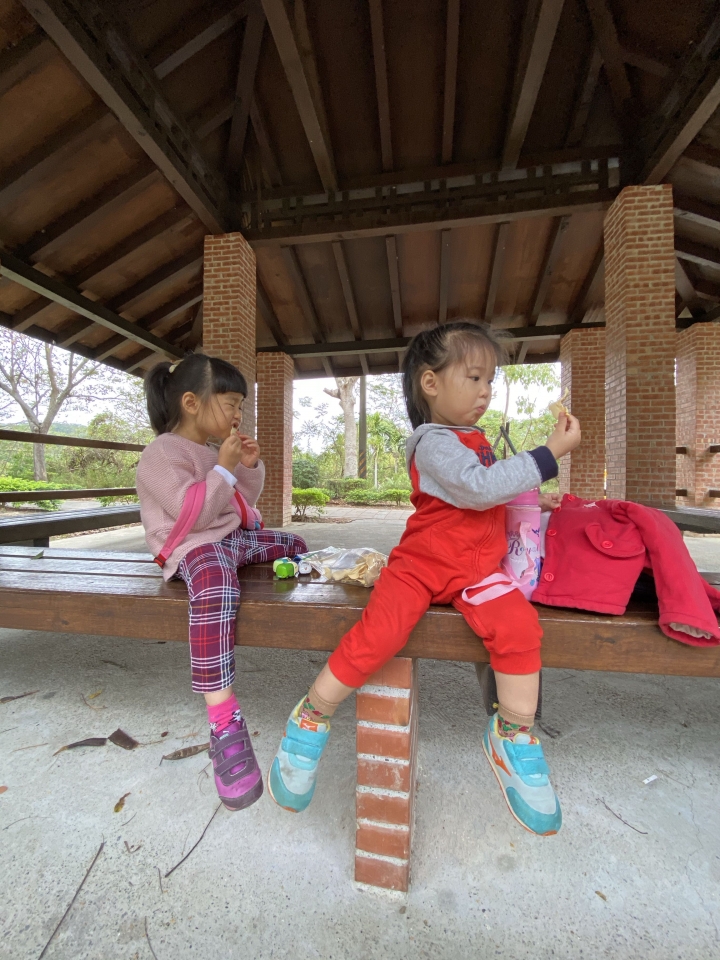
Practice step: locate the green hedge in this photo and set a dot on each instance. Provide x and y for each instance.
(309, 497)
(11, 484)
(109, 501)
(387, 495)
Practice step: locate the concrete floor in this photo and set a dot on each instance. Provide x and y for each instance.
(264, 883)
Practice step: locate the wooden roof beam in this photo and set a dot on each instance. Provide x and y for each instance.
(346, 284)
(585, 99)
(309, 107)
(27, 276)
(394, 274)
(269, 316)
(699, 253)
(689, 104)
(606, 37)
(691, 210)
(97, 46)
(377, 30)
(292, 265)
(552, 252)
(24, 59)
(64, 144)
(498, 261)
(452, 39)
(249, 59)
(269, 160)
(576, 311)
(174, 51)
(444, 275)
(538, 33)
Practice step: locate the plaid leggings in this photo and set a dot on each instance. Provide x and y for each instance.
(210, 572)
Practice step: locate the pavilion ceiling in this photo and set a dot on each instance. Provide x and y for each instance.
(394, 164)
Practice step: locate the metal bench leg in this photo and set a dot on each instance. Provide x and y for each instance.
(488, 687)
(387, 724)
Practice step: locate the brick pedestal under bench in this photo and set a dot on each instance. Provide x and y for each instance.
(387, 720)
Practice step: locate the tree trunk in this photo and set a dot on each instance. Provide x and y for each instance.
(344, 393)
(39, 461)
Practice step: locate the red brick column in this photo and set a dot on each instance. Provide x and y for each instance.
(274, 433)
(640, 346)
(582, 356)
(698, 412)
(387, 718)
(229, 286)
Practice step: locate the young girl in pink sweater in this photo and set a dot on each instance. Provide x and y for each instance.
(197, 507)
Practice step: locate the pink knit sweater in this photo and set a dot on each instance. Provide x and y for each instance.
(167, 467)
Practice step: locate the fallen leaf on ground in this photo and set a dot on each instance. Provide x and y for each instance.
(601, 895)
(91, 705)
(187, 752)
(121, 803)
(90, 742)
(18, 696)
(92, 696)
(3, 789)
(165, 733)
(113, 663)
(256, 733)
(30, 747)
(122, 739)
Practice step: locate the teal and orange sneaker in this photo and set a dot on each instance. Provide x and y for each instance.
(523, 775)
(293, 773)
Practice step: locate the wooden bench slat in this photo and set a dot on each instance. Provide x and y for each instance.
(60, 522)
(80, 567)
(313, 616)
(101, 556)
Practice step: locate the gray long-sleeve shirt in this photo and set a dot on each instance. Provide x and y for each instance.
(449, 470)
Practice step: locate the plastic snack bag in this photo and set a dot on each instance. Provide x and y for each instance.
(359, 565)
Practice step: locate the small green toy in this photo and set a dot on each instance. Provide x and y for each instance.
(284, 568)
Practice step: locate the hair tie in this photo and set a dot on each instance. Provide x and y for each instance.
(174, 366)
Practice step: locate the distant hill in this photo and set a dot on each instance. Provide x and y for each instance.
(62, 429)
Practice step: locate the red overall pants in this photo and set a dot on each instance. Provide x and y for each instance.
(443, 551)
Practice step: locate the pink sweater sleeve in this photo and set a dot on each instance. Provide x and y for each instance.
(251, 481)
(164, 481)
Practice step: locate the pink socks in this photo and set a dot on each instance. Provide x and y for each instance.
(222, 714)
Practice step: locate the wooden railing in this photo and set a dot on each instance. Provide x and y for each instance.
(28, 496)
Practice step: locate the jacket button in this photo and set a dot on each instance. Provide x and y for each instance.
(551, 533)
(549, 577)
(607, 544)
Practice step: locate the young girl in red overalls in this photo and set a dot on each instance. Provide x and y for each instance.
(454, 540)
(197, 505)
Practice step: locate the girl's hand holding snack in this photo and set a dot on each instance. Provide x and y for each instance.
(238, 448)
(565, 437)
(549, 501)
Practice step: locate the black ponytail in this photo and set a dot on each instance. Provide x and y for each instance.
(438, 348)
(197, 373)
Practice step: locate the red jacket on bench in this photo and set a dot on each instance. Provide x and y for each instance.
(596, 550)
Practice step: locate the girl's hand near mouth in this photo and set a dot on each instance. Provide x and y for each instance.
(250, 450)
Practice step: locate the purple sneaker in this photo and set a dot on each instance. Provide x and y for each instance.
(238, 778)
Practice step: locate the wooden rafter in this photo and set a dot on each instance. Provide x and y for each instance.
(106, 202)
(394, 274)
(249, 59)
(98, 47)
(292, 265)
(82, 130)
(269, 316)
(576, 311)
(22, 60)
(585, 99)
(346, 284)
(552, 252)
(498, 261)
(707, 290)
(27, 276)
(684, 287)
(699, 253)
(377, 29)
(689, 104)
(539, 28)
(267, 153)
(311, 114)
(607, 40)
(174, 52)
(452, 37)
(688, 209)
(444, 275)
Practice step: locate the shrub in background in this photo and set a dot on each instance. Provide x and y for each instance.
(305, 471)
(303, 498)
(12, 484)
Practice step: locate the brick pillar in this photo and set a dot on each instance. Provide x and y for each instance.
(582, 356)
(387, 718)
(698, 412)
(640, 346)
(274, 433)
(229, 286)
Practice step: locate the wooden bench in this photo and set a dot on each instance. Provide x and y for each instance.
(35, 530)
(696, 519)
(123, 594)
